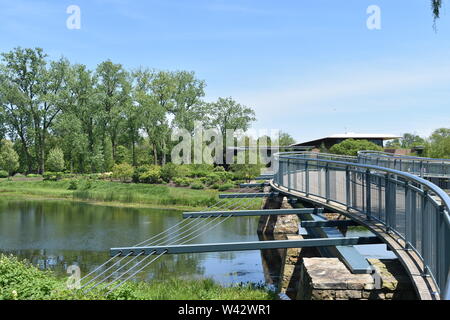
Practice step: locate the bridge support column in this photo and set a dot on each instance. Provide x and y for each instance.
(329, 279)
(280, 224)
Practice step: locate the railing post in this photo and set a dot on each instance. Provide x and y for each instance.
(387, 202)
(306, 178)
(421, 168)
(413, 196)
(368, 196)
(408, 210)
(288, 174)
(424, 234)
(347, 186)
(327, 182)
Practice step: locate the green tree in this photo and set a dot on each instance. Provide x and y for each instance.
(436, 6)
(80, 128)
(113, 91)
(55, 160)
(35, 95)
(153, 94)
(188, 106)
(438, 145)
(226, 114)
(20, 88)
(285, 139)
(350, 147)
(9, 159)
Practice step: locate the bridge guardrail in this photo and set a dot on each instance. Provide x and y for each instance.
(412, 207)
(423, 167)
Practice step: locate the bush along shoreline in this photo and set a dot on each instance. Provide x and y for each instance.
(19, 280)
(169, 186)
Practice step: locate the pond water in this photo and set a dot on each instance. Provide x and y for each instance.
(56, 234)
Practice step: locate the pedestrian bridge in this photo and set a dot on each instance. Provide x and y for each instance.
(391, 195)
(387, 194)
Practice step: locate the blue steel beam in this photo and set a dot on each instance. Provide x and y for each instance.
(251, 185)
(247, 195)
(328, 223)
(246, 213)
(348, 254)
(242, 246)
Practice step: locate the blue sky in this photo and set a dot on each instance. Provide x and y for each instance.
(310, 68)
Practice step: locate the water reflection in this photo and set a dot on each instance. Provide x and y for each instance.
(56, 234)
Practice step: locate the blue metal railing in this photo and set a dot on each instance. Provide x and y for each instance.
(412, 207)
(423, 167)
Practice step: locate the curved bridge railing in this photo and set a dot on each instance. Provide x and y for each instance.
(410, 206)
(423, 167)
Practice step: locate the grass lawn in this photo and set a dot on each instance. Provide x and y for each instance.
(110, 192)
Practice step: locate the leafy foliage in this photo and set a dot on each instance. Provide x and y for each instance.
(55, 160)
(20, 280)
(123, 171)
(9, 159)
(101, 117)
(350, 147)
(438, 145)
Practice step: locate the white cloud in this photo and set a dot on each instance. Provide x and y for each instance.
(321, 96)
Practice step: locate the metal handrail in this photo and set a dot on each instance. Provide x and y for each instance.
(424, 167)
(400, 156)
(421, 199)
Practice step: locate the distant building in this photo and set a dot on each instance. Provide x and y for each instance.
(330, 141)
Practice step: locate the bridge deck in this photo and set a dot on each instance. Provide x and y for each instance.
(410, 260)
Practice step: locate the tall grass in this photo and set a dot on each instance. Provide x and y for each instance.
(107, 191)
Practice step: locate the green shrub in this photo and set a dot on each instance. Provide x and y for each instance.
(219, 169)
(152, 175)
(215, 186)
(245, 171)
(184, 171)
(105, 175)
(183, 182)
(197, 186)
(4, 174)
(226, 186)
(200, 170)
(52, 176)
(19, 280)
(168, 172)
(87, 185)
(138, 171)
(73, 185)
(122, 171)
(33, 175)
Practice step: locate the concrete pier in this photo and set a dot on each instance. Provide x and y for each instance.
(329, 279)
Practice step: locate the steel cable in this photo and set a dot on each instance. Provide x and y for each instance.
(134, 273)
(173, 242)
(157, 235)
(196, 236)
